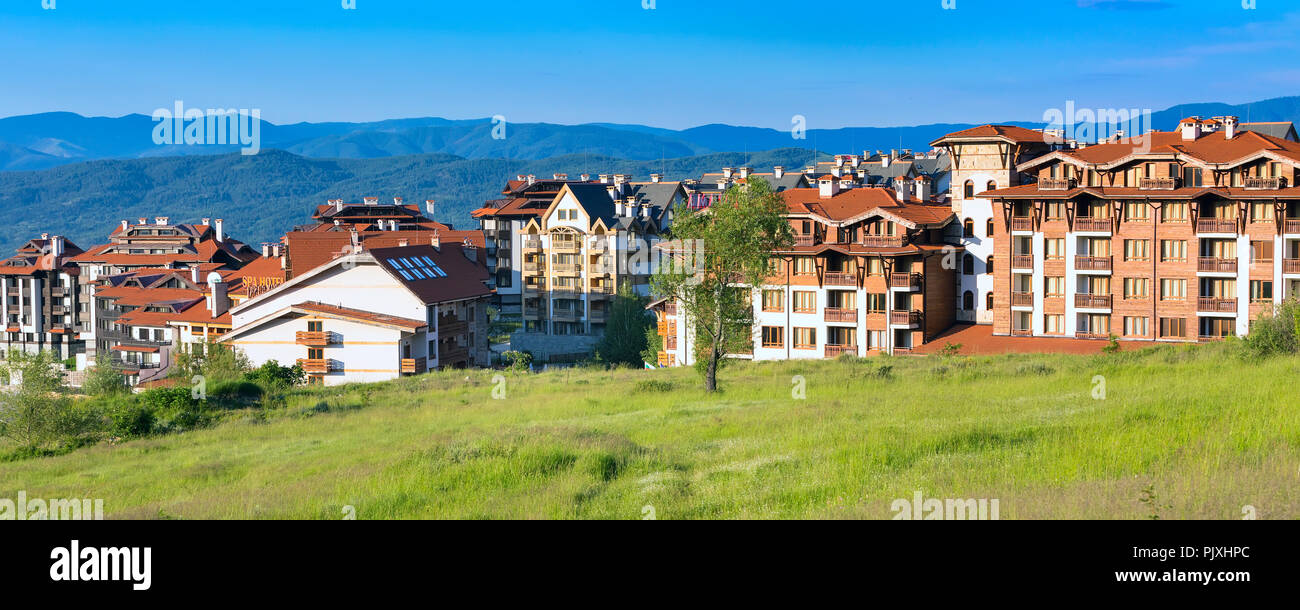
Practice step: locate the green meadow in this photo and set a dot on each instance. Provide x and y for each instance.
(1173, 432)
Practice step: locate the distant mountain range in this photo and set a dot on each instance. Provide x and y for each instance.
(42, 141)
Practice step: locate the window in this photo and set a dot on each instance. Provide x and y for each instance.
(876, 303)
(774, 266)
(1192, 177)
(773, 300)
(1173, 212)
(805, 338)
(1261, 251)
(1055, 210)
(1173, 250)
(988, 265)
(805, 301)
(805, 265)
(1173, 289)
(875, 266)
(1137, 211)
(1135, 326)
(315, 353)
(1055, 286)
(315, 327)
(1261, 291)
(988, 228)
(1054, 323)
(969, 190)
(968, 228)
(1173, 328)
(1137, 250)
(988, 301)
(773, 336)
(1021, 321)
(968, 300)
(1261, 211)
(991, 186)
(1055, 248)
(1136, 288)
(968, 265)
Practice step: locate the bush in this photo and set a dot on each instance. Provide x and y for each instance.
(175, 409)
(273, 376)
(238, 391)
(653, 385)
(1277, 333)
(103, 379)
(131, 419)
(520, 362)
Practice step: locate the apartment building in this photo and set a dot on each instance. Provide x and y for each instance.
(38, 293)
(982, 159)
(882, 167)
(1174, 236)
(373, 315)
(708, 189)
(869, 272)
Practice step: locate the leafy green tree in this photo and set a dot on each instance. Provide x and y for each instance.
(625, 330)
(39, 413)
(517, 361)
(653, 345)
(217, 362)
(723, 252)
(104, 379)
(272, 375)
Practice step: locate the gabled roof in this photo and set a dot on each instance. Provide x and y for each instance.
(1006, 133)
(337, 312)
(456, 277)
(1282, 130)
(865, 202)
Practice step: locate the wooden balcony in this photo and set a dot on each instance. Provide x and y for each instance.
(1090, 334)
(597, 315)
(1092, 301)
(1210, 264)
(670, 308)
(1022, 299)
(905, 318)
(805, 240)
(670, 343)
(1094, 225)
(840, 278)
(1261, 183)
(1216, 305)
(532, 243)
(318, 366)
(884, 241)
(564, 315)
(566, 269)
(833, 351)
(1291, 225)
(1157, 184)
(665, 359)
(534, 267)
(58, 291)
(1022, 223)
(1092, 263)
(1056, 184)
(1022, 261)
(313, 338)
(905, 281)
(1291, 265)
(411, 366)
(566, 245)
(839, 314)
(1022, 332)
(452, 326)
(1216, 225)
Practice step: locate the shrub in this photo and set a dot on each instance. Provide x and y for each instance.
(1036, 368)
(653, 385)
(131, 419)
(273, 376)
(1275, 333)
(175, 408)
(518, 361)
(103, 379)
(238, 391)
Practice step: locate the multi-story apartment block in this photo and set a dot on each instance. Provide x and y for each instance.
(709, 188)
(38, 293)
(869, 272)
(883, 167)
(983, 159)
(1171, 236)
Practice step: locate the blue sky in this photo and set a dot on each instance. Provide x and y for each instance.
(682, 63)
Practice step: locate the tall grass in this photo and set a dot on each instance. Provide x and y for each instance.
(1207, 431)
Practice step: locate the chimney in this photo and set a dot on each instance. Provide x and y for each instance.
(277, 249)
(903, 188)
(161, 221)
(846, 182)
(402, 243)
(923, 189)
(828, 187)
(618, 207)
(221, 233)
(127, 223)
(605, 179)
(656, 178)
(810, 170)
(745, 172)
(839, 161)
(397, 201)
(885, 160)
(45, 235)
(838, 170)
(207, 221)
(778, 172)
(218, 300)
(428, 207)
(723, 183)
(469, 250)
(560, 176)
(436, 242)
(727, 172)
(645, 210)
(338, 205)
(532, 179)
(1191, 128)
(855, 161)
(194, 276)
(1229, 127)
(266, 250)
(143, 220)
(56, 248)
(586, 177)
(620, 181)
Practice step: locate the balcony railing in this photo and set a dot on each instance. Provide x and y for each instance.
(804, 240)
(1157, 184)
(1291, 225)
(1022, 261)
(414, 365)
(1216, 225)
(840, 314)
(1291, 265)
(840, 278)
(1055, 184)
(1022, 299)
(1092, 301)
(833, 351)
(564, 315)
(1260, 183)
(452, 326)
(670, 343)
(566, 269)
(1092, 263)
(907, 281)
(532, 244)
(1210, 264)
(1022, 332)
(313, 338)
(534, 267)
(566, 245)
(1096, 225)
(1022, 223)
(670, 308)
(904, 318)
(1216, 305)
(318, 366)
(884, 241)
(1091, 334)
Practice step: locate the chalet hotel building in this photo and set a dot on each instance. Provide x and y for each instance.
(1172, 236)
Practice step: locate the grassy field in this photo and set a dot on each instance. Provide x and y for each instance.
(1208, 433)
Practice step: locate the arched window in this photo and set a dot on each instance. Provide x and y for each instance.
(991, 186)
(968, 228)
(968, 300)
(988, 228)
(968, 265)
(969, 189)
(988, 301)
(990, 264)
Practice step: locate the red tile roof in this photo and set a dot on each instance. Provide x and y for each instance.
(857, 202)
(1008, 132)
